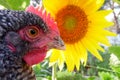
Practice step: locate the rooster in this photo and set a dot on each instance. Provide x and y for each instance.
(25, 37)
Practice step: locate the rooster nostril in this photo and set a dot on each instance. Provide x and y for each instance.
(56, 38)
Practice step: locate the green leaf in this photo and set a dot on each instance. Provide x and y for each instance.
(4, 3)
(42, 70)
(94, 65)
(115, 50)
(116, 69)
(36, 69)
(105, 76)
(15, 4)
(65, 75)
(117, 1)
(92, 78)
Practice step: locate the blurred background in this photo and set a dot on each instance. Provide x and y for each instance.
(109, 69)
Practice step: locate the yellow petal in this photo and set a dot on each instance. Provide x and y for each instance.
(106, 33)
(76, 55)
(54, 6)
(57, 56)
(100, 38)
(95, 44)
(101, 13)
(61, 61)
(91, 48)
(93, 6)
(69, 59)
(98, 19)
(100, 31)
(54, 57)
(78, 3)
(83, 52)
(101, 24)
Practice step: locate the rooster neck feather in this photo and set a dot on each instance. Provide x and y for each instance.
(12, 66)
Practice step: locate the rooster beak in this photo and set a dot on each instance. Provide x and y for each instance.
(57, 44)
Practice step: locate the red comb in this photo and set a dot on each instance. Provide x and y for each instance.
(44, 15)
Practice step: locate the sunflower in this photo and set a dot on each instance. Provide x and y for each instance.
(82, 28)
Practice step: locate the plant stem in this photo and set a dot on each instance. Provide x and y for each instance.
(54, 72)
(100, 68)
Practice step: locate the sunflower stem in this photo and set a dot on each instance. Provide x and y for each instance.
(54, 72)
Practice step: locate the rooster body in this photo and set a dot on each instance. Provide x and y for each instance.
(12, 67)
(24, 39)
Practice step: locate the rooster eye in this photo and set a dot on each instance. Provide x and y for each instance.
(33, 32)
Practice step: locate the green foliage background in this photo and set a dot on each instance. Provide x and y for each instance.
(15, 4)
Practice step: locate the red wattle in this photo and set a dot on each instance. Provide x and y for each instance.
(34, 57)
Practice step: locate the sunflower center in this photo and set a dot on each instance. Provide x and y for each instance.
(72, 23)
